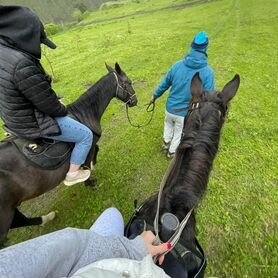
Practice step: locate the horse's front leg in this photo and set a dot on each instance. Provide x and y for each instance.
(6, 216)
(90, 163)
(20, 220)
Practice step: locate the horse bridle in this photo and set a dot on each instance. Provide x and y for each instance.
(190, 108)
(123, 89)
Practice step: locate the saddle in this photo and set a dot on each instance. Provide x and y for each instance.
(181, 261)
(43, 153)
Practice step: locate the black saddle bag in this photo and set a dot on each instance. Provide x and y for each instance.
(180, 262)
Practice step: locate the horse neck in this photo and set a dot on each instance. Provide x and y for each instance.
(90, 107)
(187, 182)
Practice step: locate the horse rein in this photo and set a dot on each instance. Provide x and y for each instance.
(176, 236)
(149, 109)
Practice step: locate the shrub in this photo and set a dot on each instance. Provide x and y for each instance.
(112, 5)
(52, 29)
(85, 15)
(77, 15)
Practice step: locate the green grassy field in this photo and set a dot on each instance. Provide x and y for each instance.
(127, 8)
(237, 220)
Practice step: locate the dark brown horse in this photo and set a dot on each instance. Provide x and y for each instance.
(20, 180)
(187, 178)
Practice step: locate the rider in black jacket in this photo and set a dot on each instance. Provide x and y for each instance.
(28, 105)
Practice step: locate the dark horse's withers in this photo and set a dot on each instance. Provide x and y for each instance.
(186, 180)
(20, 180)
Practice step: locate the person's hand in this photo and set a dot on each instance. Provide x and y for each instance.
(150, 105)
(155, 250)
(152, 100)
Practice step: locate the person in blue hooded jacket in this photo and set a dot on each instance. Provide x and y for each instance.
(179, 79)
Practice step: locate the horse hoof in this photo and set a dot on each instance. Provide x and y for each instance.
(3, 239)
(49, 217)
(91, 182)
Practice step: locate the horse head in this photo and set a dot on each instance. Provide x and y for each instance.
(188, 179)
(208, 110)
(125, 91)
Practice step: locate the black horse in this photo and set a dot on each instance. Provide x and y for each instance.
(20, 180)
(187, 177)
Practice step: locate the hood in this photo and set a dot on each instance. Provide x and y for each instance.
(121, 267)
(23, 29)
(196, 59)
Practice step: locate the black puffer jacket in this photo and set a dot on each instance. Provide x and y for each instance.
(28, 104)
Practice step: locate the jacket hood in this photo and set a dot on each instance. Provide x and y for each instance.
(121, 267)
(196, 59)
(23, 29)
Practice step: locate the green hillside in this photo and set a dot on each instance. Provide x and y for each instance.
(56, 11)
(237, 220)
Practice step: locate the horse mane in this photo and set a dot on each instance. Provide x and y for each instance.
(188, 179)
(89, 107)
(91, 98)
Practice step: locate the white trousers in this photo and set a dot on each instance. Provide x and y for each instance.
(173, 130)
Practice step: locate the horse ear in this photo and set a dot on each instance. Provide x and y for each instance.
(118, 68)
(196, 88)
(110, 69)
(230, 89)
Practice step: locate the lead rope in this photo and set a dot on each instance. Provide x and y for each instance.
(149, 109)
(176, 236)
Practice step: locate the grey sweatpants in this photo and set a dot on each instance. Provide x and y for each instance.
(62, 253)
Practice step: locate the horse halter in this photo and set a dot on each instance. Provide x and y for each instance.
(123, 89)
(190, 108)
(194, 106)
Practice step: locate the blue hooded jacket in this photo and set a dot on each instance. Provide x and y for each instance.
(179, 79)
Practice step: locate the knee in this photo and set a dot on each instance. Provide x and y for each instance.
(88, 137)
(113, 212)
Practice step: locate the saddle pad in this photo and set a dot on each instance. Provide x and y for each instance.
(49, 155)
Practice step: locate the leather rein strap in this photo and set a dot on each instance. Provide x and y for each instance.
(176, 236)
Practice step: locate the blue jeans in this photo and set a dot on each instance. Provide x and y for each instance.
(75, 132)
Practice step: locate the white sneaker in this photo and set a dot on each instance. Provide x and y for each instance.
(81, 176)
(165, 147)
(170, 155)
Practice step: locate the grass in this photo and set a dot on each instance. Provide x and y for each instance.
(237, 220)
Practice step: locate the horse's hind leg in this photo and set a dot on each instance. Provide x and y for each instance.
(20, 220)
(6, 216)
(90, 162)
